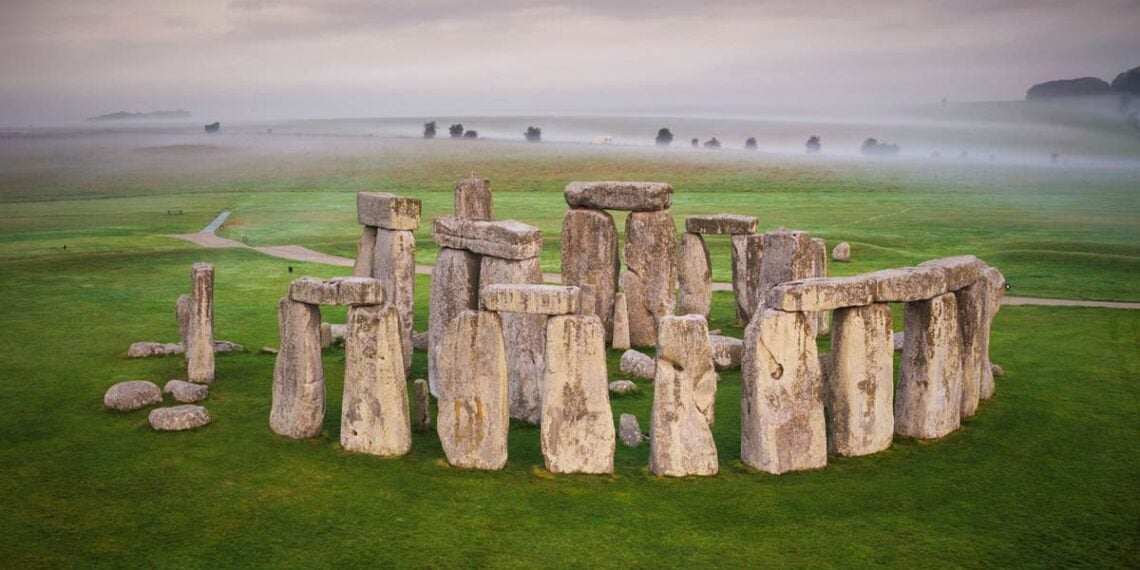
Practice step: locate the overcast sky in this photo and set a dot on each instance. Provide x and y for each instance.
(237, 59)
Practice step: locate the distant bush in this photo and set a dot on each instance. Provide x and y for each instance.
(664, 137)
(696, 143)
(750, 144)
(712, 143)
(456, 131)
(472, 134)
(429, 130)
(813, 145)
(533, 134)
(873, 147)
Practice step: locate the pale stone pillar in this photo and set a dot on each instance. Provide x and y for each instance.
(995, 282)
(973, 304)
(524, 335)
(747, 253)
(454, 289)
(183, 308)
(590, 256)
(394, 265)
(298, 379)
(473, 416)
(200, 338)
(362, 267)
(929, 395)
(859, 382)
(695, 276)
(473, 199)
(421, 417)
(819, 269)
(650, 278)
(374, 411)
(577, 423)
(787, 256)
(684, 392)
(621, 323)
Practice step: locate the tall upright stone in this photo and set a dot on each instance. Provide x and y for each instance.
(421, 415)
(684, 389)
(782, 426)
(374, 411)
(394, 265)
(454, 289)
(928, 399)
(620, 338)
(650, 277)
(859, 383)
(200, 338)
(787, 256)
(747, 253)
(524, 335)
(473, 199)
(819, 269)
(995, 283)
(973, 303)
(298, 409)
(473, 413)
(362, 266)
(577, 423)
(695, 276)
(590, 256)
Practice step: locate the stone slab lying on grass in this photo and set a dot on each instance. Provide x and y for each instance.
(132, 395)
(388, 211)
(622, 387)
(841, 252)
(337, 291)
(506, 239)
(821, 294)
(638, 364)
(178, 418)
(726, 351)
(960, 271)
(530, 299)
(628, 196)
(186, 392)
(145, 349)
(721, 224)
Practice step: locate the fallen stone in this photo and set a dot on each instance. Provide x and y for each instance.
(454, 289)
(337, 291)
(650, 279)
(132, 395)
(147, 349)
(530, 299)
(186, 392)
(746, 249)
(684, 391)
(629, 196)
(227, 346)
(929, 394)
(268, 350)
(629, 430)
(960, 272)
(841, 252)
(473, 199)
(387, 211)
(524, 335)
(859, 381)
(620, 323)
(338, 332)
(590, 257)
(622, 387)
(782, 419)
(365, 250)
(507, 239)
(694, 272)
(298, 409)
(394, 265)
(787, 256)
(638, 364)
(906, 284)
(421, 412)
(178, 418)
(720, 224)
(577, 423)
(473, 413)
(200, 333)
(821, 294)
(374, 410)
(997, 370)
(726, 351)
(420, 341)
(899, 340)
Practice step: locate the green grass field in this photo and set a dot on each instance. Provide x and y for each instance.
(1046, 475)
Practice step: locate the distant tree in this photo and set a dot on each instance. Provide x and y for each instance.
(664, 137)
(456, 131)
(533, 134)
(695, 143)
(712, 143)
(471, 134)
(750, 144)
(871, 146)
(813, 145)
(429, 130)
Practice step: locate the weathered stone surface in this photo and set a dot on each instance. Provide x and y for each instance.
(841, 251)
(145, 349)
(781, 408)
(859, 381)
(695, 276)
(394, 265)
(590, 256)
(995, 284)
(530, 299)
(906, 284)
(326, 335)
(588, 300)
(638, 364)
(387, 211)
(132, 395)
(622, 387)
(630, 196)
(577, 423)
(200, 333)
(473, 413)
(960, 271)
(473, 199)
(183, 308)
(720, 224)
(506, 239)
(186, 392)
(421, 412)
(821, 294)
(819, 269)
(973, 305)
(629, 430)
(787, 256)
(996, 370)
(684, 393)
(454, 289)
(337, 291)
(620, 323)
(362, 266)
(524, 335)
(899, 339)
(374, 412)
(929, 395)
(420, 341)
(178, 418)
(298, 378)
(268, 350)
(338, 331)
(726, 351)
(650, 277)
(747, 253)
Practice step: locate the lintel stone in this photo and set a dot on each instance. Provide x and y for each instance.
(629, 196)
(337, 291)
(506, 239)
(721, 224)
(387, 211)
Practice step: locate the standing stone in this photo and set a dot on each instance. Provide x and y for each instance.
(746, 278)
(454, 289)
(362, 267)
(590, 256)
(298, 378)
(781, 409)
(183, 308)
(326, 335)
(819, 269)
(473, 199)
(859, 381)
(630, 431)
(200, 337)
(995, 283)
(621, 323)
(577, 423)
(842, 251)
(929, 395)
(973, 303)
(394, 265)
(473, 413)
(650, 278)
(695, 276)
(374, 411)
(788, 256)
(421, 415)
(726, 351)
(684, 388)
(524, 335)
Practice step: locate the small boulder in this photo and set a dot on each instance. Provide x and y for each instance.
(268, 350)
(638, 364)
(622, 387)
(629, 431)
(899, 338)
(147, 349)
(420, 341)
(132, 395)
(997, 370)
(841, 251)
(186, 392)
(178, 418)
